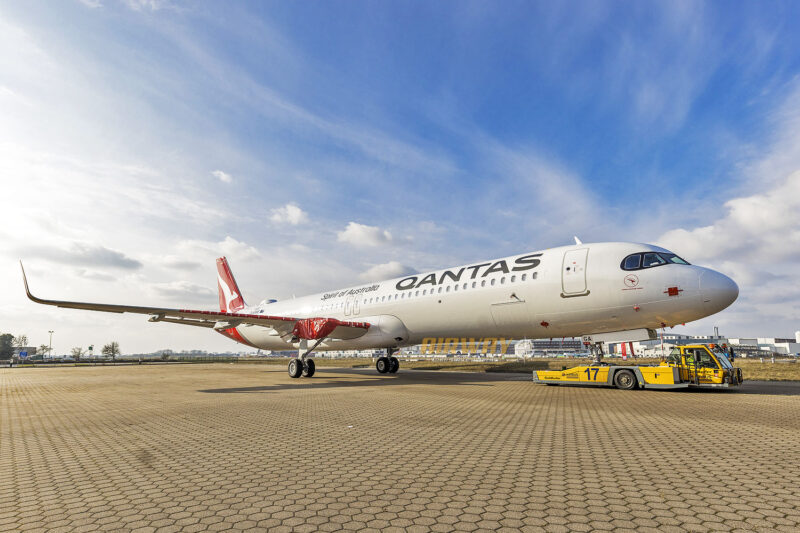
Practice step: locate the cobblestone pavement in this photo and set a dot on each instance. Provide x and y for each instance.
(244, 447)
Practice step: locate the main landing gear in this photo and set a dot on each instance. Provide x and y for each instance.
(388, 364)
(299, 367)
(303, 365)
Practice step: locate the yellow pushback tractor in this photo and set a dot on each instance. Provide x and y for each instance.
(695, 365)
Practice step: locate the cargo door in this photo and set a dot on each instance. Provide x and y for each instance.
(573, 273)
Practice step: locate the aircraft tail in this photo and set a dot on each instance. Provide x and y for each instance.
(230, 297)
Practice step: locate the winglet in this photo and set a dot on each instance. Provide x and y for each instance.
(25, 281)
(577, 240)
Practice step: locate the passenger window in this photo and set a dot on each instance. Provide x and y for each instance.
(447, 289)
(492, 282)
(652, 259)
(483, 283)
(522, 278)
(632, 262)
(534, 275)
(513, 279)
(464, 287)
(474, 284)
(502, 280)
(455, 287)
(416, 293)
(424, 292)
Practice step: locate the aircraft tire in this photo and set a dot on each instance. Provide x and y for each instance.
(309, 368)
(625, 380)
(382, 365)
(295, 368)
(394, 365)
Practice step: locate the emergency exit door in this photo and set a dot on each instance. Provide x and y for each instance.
(573, 273)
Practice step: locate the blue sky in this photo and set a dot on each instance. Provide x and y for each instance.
(320, 143)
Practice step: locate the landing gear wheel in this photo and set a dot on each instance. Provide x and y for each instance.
(295, 368)
(624, 379)
(382, 366)
(394, 365)
(309, 368)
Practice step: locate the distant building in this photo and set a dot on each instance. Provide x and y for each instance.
(30, 350)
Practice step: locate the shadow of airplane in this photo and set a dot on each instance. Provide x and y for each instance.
(368, 378)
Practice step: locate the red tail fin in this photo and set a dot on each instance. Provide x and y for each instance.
(230, 297)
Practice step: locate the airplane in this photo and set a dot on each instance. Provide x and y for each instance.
(603, 292)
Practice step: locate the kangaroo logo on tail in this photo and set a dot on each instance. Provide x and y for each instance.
(230, 297)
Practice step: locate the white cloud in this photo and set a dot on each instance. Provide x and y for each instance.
(82, 254)
(756, 236)
(197, 250)
(94, 275)
(392, 269)
(92, 3)
(755, 229)
(363, 235)
(183, 289)
(224, 177)
(142, 5)
(289, 214)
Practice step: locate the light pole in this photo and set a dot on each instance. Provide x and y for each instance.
(50, 348)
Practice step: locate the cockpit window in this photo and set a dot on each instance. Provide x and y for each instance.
(650, 260)
(632, 262)
(672, 258)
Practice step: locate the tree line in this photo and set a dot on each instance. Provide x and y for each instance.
(9, 342)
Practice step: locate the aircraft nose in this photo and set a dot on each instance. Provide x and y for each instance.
(718, 290)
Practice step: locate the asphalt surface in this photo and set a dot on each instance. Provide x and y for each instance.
(245, 447)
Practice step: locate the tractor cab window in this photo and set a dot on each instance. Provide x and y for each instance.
(674, 356)
(701, 358)
(722, 357)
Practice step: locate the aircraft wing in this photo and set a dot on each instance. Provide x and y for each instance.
(302, 328)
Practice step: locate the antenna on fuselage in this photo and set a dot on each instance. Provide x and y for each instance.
(577, 240)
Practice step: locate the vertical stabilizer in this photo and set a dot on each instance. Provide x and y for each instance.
(230, 297)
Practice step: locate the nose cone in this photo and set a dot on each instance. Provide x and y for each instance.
(718, 290)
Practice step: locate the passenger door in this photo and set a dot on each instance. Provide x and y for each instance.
(573, 273)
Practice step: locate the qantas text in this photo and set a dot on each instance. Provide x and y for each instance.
(525, 262)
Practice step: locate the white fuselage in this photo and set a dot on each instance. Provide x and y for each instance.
(560, 292)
